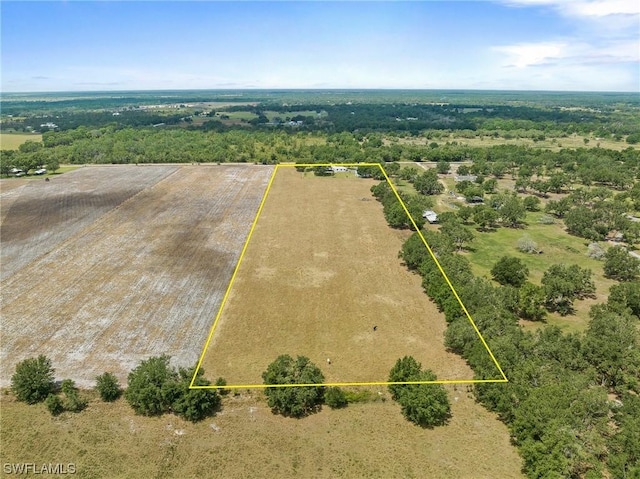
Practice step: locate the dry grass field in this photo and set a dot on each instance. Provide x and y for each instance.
(321, 270)
(245, 439)
(135, 264)
(11, 141)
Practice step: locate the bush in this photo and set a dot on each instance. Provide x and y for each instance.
(108, 387)
(293, 401)
(527, 245)
(595, 251)
(54, 404)
(222, 382)
(335, 398)
(546, 220)
(73, 402)
(33, 380)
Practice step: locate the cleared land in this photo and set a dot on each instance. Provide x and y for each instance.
(245, 439)
(144, 278)
(11, 141)
(321, 270)
(39, 215)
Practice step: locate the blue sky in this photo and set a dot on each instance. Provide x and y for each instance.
(579, 45)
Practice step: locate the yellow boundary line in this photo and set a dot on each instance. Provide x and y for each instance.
(503, 379)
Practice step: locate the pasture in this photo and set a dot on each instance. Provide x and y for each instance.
(106, 266)
(11, 141)
(246, 440)
(320, 271)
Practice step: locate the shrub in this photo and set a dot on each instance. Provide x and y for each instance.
(73, 402)
(335, 398)
(620, 265)
(546, 220)
(33, 380)
(108, 387)
(595, 251)
(222, 382)
(527, 245)
(54, 404)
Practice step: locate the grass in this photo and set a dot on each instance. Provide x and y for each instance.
(11, 141)
(326, 287)
(368, 439)
(557, 246)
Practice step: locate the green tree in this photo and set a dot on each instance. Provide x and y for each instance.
(293, 401)
(620, 265)
(510, 271)
(531, 300)
(33, 380)
(147, 384)
(611, 346)
(626, 294)
(531, 203)
(457, 232)
(427, 183)
(405, 369)
(426, 405)
(108, 387)
(484, 217)
(562, 284)
(443, 167)
(512, 211)
(194, 404)
(624, 445)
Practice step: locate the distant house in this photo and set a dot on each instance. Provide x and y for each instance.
(430, 216)
(466, 178)
(339, 169)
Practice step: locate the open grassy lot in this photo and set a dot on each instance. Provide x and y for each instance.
(11, 141)
(557, 246)
(321, 270)
(143, 274)
(245, 439)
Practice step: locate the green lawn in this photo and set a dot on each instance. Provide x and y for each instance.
(557, 247)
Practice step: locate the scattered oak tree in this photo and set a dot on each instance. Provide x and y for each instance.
(297, 401)
(620, 265)
(426, 405)
(510, 271)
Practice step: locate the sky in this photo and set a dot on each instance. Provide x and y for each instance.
(567, 45)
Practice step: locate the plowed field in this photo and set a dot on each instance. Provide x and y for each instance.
(110, 265)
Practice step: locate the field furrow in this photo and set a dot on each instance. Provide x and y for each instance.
(144, 279)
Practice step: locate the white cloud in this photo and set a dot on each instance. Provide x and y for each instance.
(584, 8)
(523, 55)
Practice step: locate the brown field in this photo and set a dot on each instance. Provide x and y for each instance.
(245, 439)
(11, 141)
(135, 264)
(320, 271)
